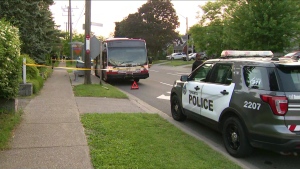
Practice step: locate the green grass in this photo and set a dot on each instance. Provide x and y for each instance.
(97, 90)
(159, 61)
(146, 141)
(8, 121)
(178, 62)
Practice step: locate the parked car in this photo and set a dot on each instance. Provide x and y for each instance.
(293, 55)
(176, 56)
(203, 56)
(192, 56)
(251, 98)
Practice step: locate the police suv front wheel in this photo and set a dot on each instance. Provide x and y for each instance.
(176, 109)
(234, 138)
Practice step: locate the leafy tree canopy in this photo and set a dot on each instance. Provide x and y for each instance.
(156, 22)
(36, 25)
(248, 25)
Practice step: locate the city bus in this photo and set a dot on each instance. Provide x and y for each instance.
(123, 58)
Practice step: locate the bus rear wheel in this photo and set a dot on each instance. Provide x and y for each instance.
(136, 80)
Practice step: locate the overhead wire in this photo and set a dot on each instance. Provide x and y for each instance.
(80, 16)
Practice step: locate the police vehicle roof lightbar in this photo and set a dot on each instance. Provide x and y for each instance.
(240, 54)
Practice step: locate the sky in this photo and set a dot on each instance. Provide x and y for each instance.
(108, 12)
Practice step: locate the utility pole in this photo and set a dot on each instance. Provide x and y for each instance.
(187, 41)
(87, 58)
(69, 24)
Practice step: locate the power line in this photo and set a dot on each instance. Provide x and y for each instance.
(80, 16)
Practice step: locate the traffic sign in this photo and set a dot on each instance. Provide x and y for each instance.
(95, 47)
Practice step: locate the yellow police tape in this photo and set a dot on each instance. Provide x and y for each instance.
(71, 68)
(60, 60)
(74, 68)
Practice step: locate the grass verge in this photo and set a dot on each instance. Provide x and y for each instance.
(178, 62)
(96, 90)
(159, 61)
(8, 122)
(146, 141)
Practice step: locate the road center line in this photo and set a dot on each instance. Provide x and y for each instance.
(173, 74)
(153, 70)
(166, 84)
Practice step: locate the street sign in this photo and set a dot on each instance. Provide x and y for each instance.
(97, 24)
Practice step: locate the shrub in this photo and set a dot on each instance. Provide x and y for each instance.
(9, 62)
(45, 72)
(32, 72)
(37, 84)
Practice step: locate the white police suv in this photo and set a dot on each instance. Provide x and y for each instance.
(252, 98)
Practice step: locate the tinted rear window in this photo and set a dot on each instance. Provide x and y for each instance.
(290, 77)
(261, 78)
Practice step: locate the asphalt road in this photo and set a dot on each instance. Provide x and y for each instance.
(156, 92)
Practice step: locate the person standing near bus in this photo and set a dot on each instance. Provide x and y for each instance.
(53, 58)
(197, 62)
(150, 61)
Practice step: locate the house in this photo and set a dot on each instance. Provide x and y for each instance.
(180, 45)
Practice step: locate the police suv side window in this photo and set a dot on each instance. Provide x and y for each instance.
(261, 78)
(222, 74)
(201, 73)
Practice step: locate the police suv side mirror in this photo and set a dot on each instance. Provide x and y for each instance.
(184, 78)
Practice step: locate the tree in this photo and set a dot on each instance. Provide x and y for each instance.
(155, 22)
(263, 25)
(131, 26)
(248, 25)
(36, 25)
(208, 34)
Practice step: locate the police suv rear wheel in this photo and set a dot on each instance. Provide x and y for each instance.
(176, 109)
(234, 138)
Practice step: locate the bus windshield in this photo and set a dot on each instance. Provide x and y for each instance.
(133, 56)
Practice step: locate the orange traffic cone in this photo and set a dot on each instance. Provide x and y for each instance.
(134, 85)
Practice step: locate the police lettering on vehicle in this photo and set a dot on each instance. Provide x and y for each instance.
(200, 102)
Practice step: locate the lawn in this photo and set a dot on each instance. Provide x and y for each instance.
(178, 62)
(159, 61)
(96, 90)
(8, 121)
(140, 140)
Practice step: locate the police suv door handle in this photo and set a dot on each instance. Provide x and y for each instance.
(197, 88)
(224, 92)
